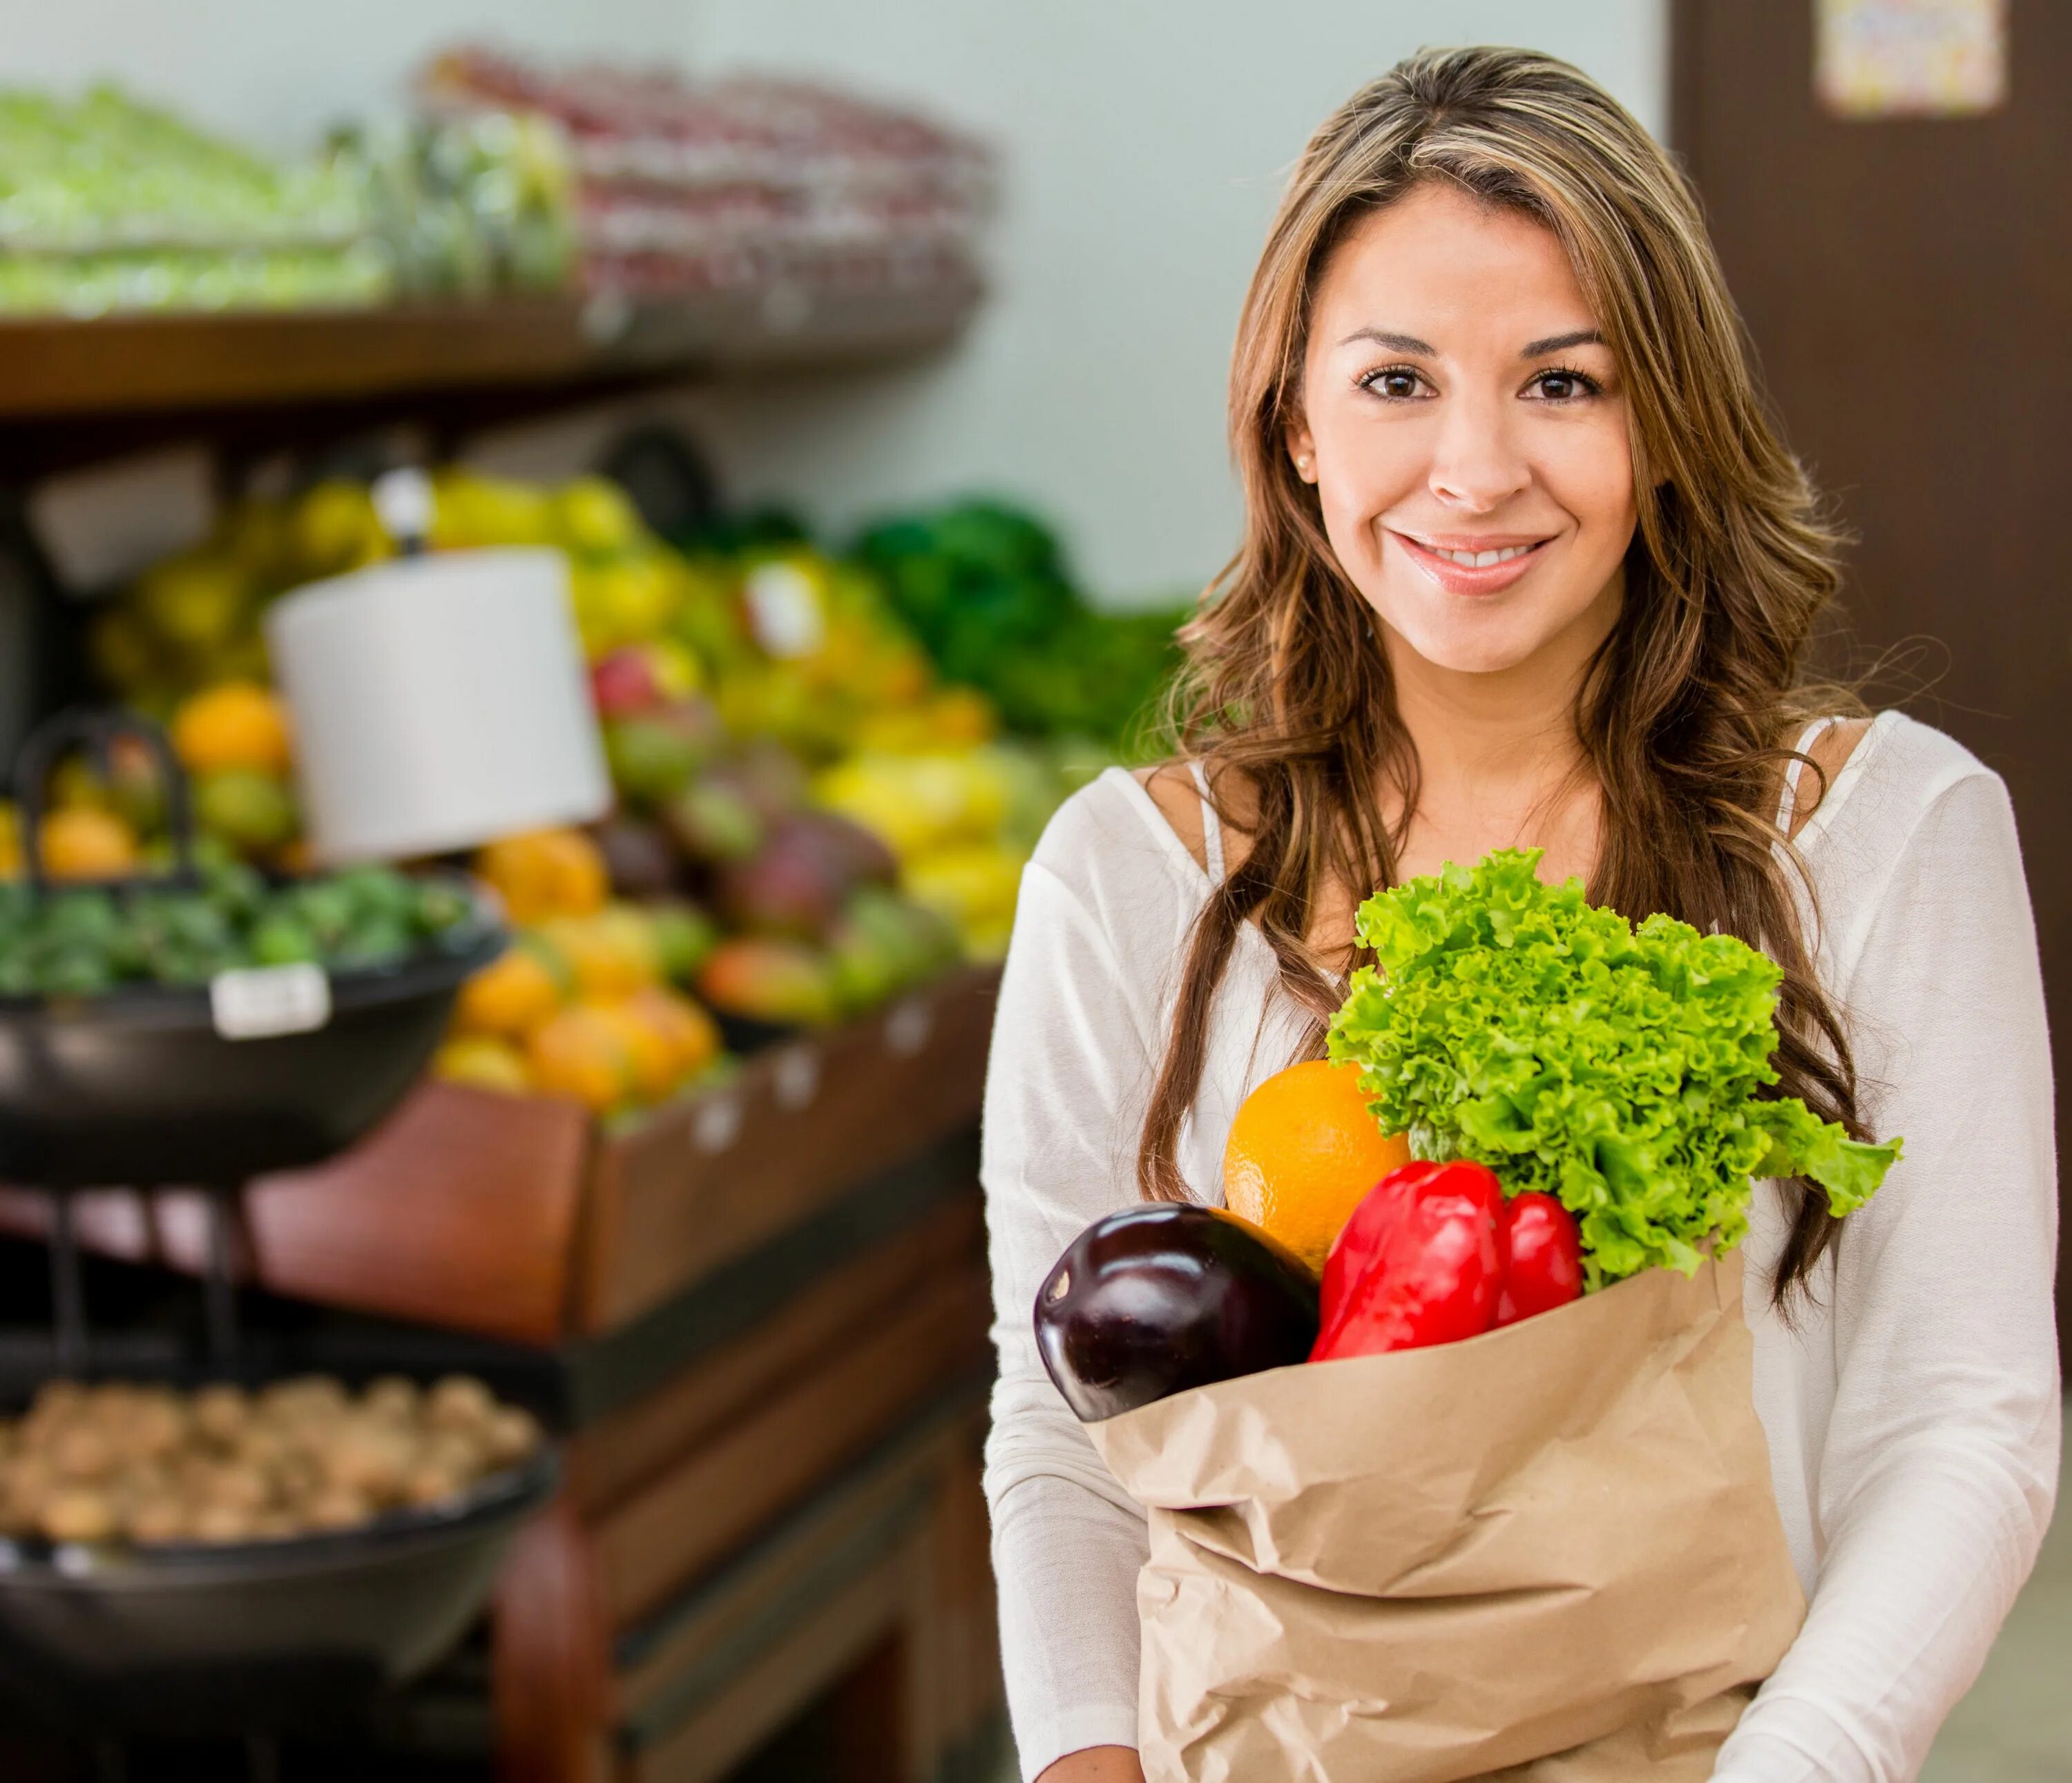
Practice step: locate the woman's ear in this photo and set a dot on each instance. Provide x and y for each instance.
(1302, 449)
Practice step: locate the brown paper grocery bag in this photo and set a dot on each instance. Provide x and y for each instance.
(1548, 1554)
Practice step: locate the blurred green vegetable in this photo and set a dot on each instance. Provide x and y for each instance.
(985, 588)
(81, 942)
(107, 203)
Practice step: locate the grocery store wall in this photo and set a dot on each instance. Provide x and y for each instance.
(1145, 144)
(276, 73)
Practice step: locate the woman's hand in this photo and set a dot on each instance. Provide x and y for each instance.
(1095, 1764)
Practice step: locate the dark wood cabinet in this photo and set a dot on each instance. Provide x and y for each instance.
(1908, 281)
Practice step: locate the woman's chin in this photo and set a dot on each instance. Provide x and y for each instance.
(1469, 649)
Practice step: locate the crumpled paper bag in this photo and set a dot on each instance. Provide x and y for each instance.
(1551, 1553)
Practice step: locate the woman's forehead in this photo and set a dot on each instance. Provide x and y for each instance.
(1440, 262)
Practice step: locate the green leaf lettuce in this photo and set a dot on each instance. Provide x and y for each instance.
(1618, 1069)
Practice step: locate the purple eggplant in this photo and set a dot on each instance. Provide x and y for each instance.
(1160, 1298)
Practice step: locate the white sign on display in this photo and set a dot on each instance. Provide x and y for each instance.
(264, 1002)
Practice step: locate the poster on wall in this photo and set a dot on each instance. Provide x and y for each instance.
(1910, 58)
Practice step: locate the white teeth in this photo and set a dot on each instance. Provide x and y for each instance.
(1480, 560)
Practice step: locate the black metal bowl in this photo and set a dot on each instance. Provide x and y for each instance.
(264, 1637)
(136, 1087)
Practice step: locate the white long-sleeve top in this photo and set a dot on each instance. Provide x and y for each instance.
(1913, 1413)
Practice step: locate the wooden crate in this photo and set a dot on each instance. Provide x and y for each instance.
(517, 1218)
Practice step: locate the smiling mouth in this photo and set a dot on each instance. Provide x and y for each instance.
(1476, 560)
(1481, 560)
(1465, 565)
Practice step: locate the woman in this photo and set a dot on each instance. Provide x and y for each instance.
(1525, 563)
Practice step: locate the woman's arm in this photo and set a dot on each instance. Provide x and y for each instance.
(1939, 1467)
(1064, 1093)
(1097, 1765)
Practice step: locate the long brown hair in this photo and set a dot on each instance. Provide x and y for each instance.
(1686, 712)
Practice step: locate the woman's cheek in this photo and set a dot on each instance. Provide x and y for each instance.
(1591, 478)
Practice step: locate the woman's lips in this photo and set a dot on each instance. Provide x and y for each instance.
(1460, 578)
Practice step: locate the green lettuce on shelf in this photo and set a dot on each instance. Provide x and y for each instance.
(1621, 1070)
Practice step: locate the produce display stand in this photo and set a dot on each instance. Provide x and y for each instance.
(256, 1637)
(761, 1315)
(758, 1316)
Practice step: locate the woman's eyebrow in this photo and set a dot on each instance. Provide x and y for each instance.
(1396, 343)
(1556, 343)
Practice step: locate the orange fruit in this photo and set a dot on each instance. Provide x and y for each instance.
(582, 1054)
(692, 1037)
(612, 953)
(1302, 1153)
(84, 844)
(485, 1061)
(513, 995)
(238, 724)
(649, 1053)
(546, 873)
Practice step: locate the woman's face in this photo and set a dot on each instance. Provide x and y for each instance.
(1467, 433)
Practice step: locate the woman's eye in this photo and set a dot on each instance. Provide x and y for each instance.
(1396, 383)
(1563, 386)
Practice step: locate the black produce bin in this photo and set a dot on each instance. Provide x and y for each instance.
(288, 1636)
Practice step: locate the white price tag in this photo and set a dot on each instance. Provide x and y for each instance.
(907, 1028)
(263, 1001)
(795, 1077)
(716, 1124)
(784, 610)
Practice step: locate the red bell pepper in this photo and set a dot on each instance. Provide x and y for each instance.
(1421, 1262)
(1362, 1239)
(1544, 1265)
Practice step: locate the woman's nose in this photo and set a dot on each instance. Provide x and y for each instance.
(1476, 465)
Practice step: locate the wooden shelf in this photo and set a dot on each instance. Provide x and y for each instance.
(118, 372)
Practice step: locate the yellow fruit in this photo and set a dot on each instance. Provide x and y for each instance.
(335, 528)
(254, 812)
(84, 844)
(238, 724)
(956, 718)
(484, 1062)
(593, 515)
(974, 887)
(122, 652)
(11, 841)
(650, 1054)
(692, 1036)
(245, 658)
(195, 600)
(918, 803)
(513, 995)
(469, 511)
(580, 1054)
(677, 671)
(962, 715)
(544, 873)
(75, 785)
(629, 601)
(1303, 1152)
(256, 534)
(611, 954)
